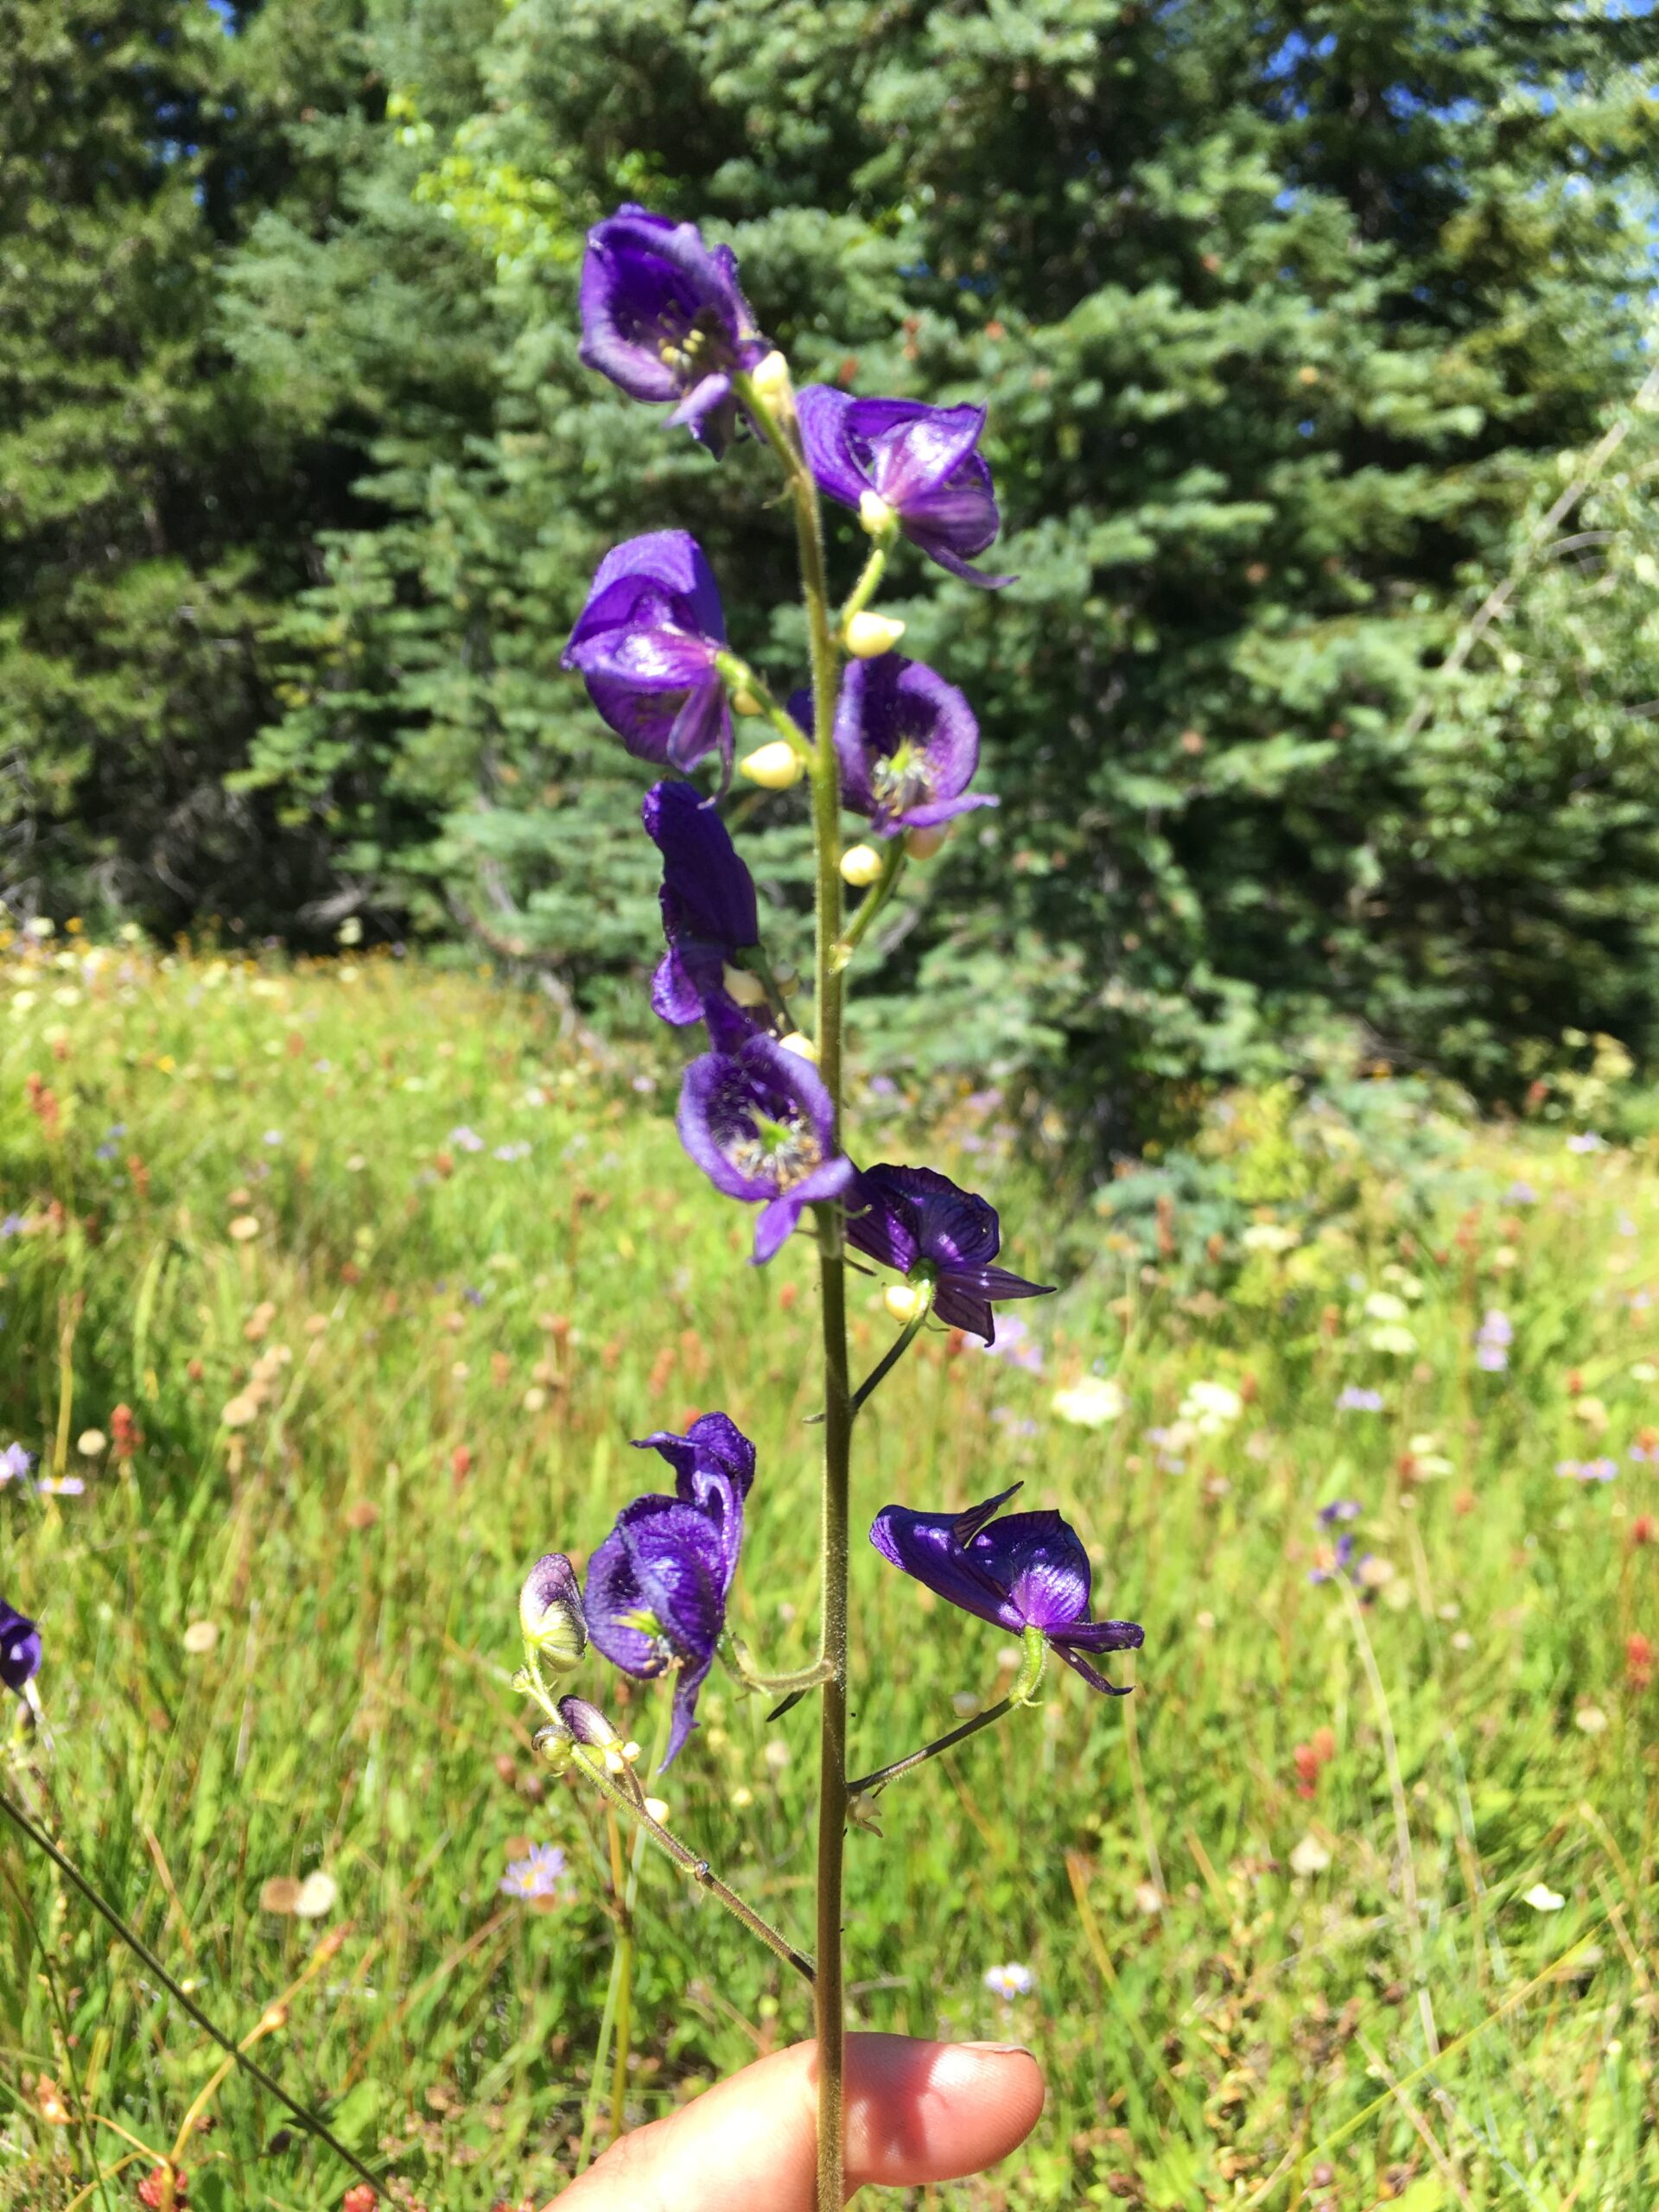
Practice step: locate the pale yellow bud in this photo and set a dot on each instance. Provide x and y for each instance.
(877, 517)
(869, 635)
(797, 1042)
(859, 865)
(922, 844)
(772, 386)
(787, 977)
(774, 767)
(658, 1808)
(745, 703)
(742, 988)
(902, 1302)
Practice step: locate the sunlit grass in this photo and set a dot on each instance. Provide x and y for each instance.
(386, 1276)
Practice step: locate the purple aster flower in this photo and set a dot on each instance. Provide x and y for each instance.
(918, 1221)
(908, 745)
(20, 1648)
(1521, 1193)
(540, 1875)
(1355, 1399)
(1341, 1561)
(466, 1139)
(658, 1586)
(14, 1464)
(759, 1122)
(645, 644)
(1026, 1571)
(707, 901)
(919, 461)
(663, 317)
(1588, 1471)
(1340, 1509)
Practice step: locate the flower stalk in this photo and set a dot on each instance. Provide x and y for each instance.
(1024, 1692)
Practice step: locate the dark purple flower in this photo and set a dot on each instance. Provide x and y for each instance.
(920, 460)
(759, 1122)
(20, 1648)
(918, 1222)
(908, 745)
(645, 644)
(658, 1586)
(662, 316)
(1028, 1571)
(707, 900)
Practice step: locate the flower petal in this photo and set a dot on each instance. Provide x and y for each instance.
(1038, 1558)
(925, 1546)
(823, 413)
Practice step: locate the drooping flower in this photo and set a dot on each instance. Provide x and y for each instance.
(1028, 1570)
(646, 643)
(918, 1222)
(658, 1586)
(709, 915)
(921, 461)
(663, 317)
(20, 1648)
(759, 1122)
(908, 745)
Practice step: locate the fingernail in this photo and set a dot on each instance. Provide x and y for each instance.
(1001, 2049)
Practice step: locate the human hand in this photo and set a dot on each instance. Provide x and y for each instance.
(916, 2112)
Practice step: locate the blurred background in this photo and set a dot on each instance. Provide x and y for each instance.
(1307, 333)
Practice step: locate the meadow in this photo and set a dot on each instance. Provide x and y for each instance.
(333, 1294)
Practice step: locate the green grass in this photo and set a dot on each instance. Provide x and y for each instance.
(447, 1352)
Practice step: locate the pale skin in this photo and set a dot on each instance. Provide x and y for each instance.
(916, 2112)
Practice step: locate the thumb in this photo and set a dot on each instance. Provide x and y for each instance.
(916, 2112)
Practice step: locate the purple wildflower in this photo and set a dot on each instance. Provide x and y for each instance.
(1340, 1562)
(921, 461)
(1354, 1398)
(1340, 1509)
(14, 1464)
(663, 317)
(645, 646)
(1588, 1471)
(918, 1221)
(908, 745)
(540, 1875)
(466, 1139)
(658, 1586)
(1028, 1570)
(759, 1122)
(709, 915)
(1014, 1343)
(1586, 1140)
(20, 1648)
(1521, 1193)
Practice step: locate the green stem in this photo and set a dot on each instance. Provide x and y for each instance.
(181, 1997)
(735, 1653)
(889, 1359)
(1030, 1673)
(696, 1870)
(893, 865)
(829, 1997)
(624, 1968)
(870, 581)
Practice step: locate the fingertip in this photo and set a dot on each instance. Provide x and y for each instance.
(920, 2112)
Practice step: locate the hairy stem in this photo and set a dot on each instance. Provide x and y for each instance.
(869, 583)
(1024, 1690)
(793, 1684)
(889, 1359)
(696, 1870)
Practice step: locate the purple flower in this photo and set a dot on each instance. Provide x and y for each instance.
(466, 1139)
(658, 1584)
(1341, 1561)
(1492, 1341)
(1340, 1509)
(1027, 1571)
(1521, 1193)
(759, 1122)
(645, 644)
(707, 901)
(1014, 1343)
(919, 461)
(14, 1464)
(1354, 1398)
(20, 1648)
(1588, 1471)
(540, 1875)
(663, 317)
(918, 1221)
(908, 745)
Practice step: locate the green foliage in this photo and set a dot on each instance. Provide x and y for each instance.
(1293, 328)
(1226, 1956)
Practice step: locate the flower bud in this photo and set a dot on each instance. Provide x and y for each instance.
(772, 385)
(922, 844)
(774, 767)
(553, 1746)
(798, 1041)
(859, 865)
(588, 1724)
(741, 987)
(550, 1614)
(744, 702)
(877, 517)
(868, 635)
(903, 1301)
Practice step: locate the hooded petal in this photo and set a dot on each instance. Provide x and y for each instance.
(1038, 1561)
(912, 458)
(706, 884)
(824, 415)
(907, 740)
(616, 1607)
(714, 1467)
(661, 310)
(668, 563)
(938, 549)
(927, 1547)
